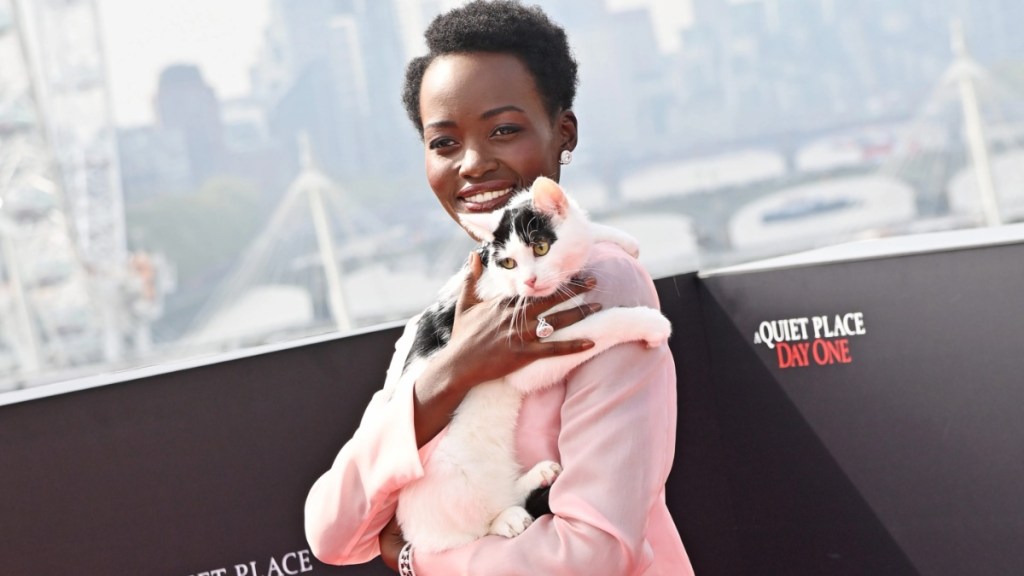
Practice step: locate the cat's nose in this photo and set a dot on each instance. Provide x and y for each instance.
(531, 281)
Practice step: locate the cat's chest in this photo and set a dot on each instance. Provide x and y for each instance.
(539, 423)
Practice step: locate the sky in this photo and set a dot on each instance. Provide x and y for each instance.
(668, 15)
(141, 38)
(223, 37)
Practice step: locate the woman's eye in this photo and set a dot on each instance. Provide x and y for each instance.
(507, 263)
(541, 248)
(439, 143)
(506, 130)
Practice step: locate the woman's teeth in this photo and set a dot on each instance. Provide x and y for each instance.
(487, 196)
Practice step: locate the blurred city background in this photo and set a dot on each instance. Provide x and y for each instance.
(186, 178)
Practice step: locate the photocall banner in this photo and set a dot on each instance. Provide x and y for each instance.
(859, 417)
(870, 413)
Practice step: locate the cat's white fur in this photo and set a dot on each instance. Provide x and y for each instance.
(473, 484)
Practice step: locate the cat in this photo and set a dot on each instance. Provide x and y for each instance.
(472, 484)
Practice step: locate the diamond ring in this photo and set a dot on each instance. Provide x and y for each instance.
(544, 329)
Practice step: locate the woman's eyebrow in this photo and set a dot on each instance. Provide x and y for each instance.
(488, 114)
(499, 110)
(440, 124)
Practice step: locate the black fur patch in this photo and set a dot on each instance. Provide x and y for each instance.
(485, 255)
(433, 331)
(537, 502)
(534, 227)
(504, 230)
(530, 226)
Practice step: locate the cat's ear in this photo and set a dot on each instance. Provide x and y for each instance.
(481, 225)
(548, 197)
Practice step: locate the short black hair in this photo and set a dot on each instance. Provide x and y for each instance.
(506, 27)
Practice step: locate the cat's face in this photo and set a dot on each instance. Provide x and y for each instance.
(535, 244)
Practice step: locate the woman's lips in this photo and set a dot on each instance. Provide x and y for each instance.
(486, 200)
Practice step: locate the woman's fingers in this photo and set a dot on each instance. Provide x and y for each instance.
(468, 298)
(562, 348)
(571, 316)
(556, 320)
(391, 541)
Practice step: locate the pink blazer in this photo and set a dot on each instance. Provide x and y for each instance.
(611, 426)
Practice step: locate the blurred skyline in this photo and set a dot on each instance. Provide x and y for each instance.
(233, 163)
(143, 38)
(223, 39)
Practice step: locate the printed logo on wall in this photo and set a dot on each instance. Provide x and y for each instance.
(290, 564)
(811, 340)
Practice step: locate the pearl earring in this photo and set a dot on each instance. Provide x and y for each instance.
(565, 157)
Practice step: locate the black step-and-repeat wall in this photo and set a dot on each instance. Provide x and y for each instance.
(859, 417)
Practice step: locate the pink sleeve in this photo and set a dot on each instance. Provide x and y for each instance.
(616, 443)
(349, 505)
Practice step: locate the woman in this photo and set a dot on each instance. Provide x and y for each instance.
(493, 104)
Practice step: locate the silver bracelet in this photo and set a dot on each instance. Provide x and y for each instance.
(405, 561)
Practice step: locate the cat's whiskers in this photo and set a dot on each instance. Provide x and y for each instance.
(565, 289)
(519, 314)
(514, 305)
(576, 281)
(598, 276)
(519, 320)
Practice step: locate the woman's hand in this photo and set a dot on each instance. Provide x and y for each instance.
(490, 339)
(391, 541)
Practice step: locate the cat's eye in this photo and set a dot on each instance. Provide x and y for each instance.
(507, 263)
(540, 248)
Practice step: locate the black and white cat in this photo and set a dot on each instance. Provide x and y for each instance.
(473, 484)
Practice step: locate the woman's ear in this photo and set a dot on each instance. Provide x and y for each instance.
(568, 128)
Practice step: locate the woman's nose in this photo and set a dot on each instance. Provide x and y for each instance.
(475, 163)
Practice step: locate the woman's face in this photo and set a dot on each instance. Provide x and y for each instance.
(486, 132)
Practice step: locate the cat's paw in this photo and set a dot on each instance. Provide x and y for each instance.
(512, 522)
(542, 475)
(657, 331)
(655, 339)
(631, 246)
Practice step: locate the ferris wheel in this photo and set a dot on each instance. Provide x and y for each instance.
(65, 275)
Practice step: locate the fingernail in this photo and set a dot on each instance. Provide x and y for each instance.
(596, 306)
(590, 281)
(586, 345)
